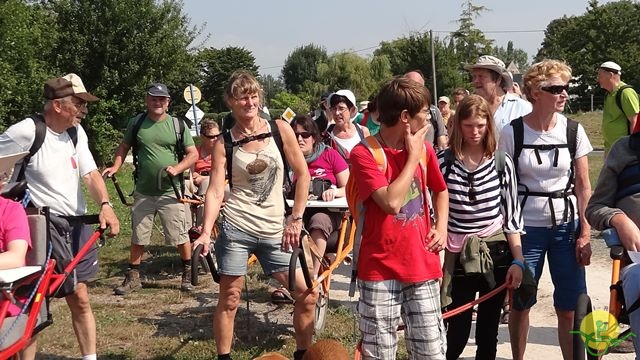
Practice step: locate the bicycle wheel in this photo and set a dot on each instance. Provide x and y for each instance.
(321, 310)
(583, 308)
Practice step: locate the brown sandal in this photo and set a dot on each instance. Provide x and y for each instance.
(281, 296)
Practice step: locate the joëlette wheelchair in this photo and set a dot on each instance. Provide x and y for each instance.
(36, 283)
(593, 349)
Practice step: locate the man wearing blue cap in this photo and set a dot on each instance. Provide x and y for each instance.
(159, 141)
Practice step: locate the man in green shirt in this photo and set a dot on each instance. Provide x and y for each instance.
(617, 120)
(157, 148)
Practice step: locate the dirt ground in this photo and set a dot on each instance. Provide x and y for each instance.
(188, 318)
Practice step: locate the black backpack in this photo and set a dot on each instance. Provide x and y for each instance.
(619, 103)
(41, 132)
(572, 135)
(178, 127)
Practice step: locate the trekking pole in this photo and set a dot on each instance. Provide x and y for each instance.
(179, 196)
(116, 185)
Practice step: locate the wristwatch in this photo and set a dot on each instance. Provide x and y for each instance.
(296, 218)
(108, 203)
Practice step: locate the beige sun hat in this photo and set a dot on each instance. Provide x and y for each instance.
(494, 64)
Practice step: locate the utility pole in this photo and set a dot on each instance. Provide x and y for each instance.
(433, 69)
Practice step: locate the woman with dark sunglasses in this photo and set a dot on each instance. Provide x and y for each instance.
(484, 214)
(209, 132)
(325, 166)
(554, 189)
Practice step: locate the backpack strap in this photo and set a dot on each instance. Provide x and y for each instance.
(137, 123)
(518, 140)
(500, 156)
(374, 147)
(449, 159)
(228, 154)
(40, 133)
(619, 103)
(434, 124)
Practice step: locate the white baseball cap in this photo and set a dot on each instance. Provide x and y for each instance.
(611, 67)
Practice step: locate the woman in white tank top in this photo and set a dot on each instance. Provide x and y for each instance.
(254, 213)
(344, 134)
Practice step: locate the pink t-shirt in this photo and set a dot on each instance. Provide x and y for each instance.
(13, 226)
(328, 165)
(394, 246)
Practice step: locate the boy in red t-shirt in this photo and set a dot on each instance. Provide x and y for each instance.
(399, 267)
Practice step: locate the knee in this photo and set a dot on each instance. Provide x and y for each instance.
(307, 298)
(565, 316)
(79, 301)
(230, 299)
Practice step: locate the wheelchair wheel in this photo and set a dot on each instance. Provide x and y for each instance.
(580, 351)
(321, 310)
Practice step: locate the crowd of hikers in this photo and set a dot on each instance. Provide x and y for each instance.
(455, 199)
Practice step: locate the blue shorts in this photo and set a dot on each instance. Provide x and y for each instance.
(559, 245)
(234, 246)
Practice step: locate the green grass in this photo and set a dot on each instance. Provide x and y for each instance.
(592, 123)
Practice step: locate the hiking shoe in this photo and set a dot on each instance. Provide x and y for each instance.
(185, 284)
(130, 284)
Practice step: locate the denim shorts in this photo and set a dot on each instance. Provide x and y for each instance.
(234, 246)
(559, 246)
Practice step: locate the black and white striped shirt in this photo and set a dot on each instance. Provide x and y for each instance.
(492, 202)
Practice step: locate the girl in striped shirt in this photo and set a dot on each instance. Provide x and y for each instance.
(483, 210)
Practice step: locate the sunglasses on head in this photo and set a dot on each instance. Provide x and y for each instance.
(304, 134)
(556, 89)
(211, 136)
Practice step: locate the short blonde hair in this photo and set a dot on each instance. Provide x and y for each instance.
(240, 84)
(472, 106)
(540, 72)
(208, 124)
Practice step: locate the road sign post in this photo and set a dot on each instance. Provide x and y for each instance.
(192, 95)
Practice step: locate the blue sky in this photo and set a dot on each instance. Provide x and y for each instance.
(271, 29)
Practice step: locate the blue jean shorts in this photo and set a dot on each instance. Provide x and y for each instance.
(234, 246)
(559, 246)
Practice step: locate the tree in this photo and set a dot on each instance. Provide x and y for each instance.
(270, 87)
(26, 35)
(470, 42)
(414, 53)
(118, 47)
(285, 99)
(508, 55)
(217, 65)
(301, 65)
(602, 33)
(348, 70)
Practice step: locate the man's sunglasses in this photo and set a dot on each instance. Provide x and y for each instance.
(304, 134)
(213, 137)
(556, 89)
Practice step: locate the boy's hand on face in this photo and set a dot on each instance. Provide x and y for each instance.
(414, 142)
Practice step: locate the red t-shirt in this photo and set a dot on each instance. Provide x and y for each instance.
(203, 163)
(393, 247)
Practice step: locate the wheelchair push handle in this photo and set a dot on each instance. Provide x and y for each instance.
(299, 254)
(195, 256)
